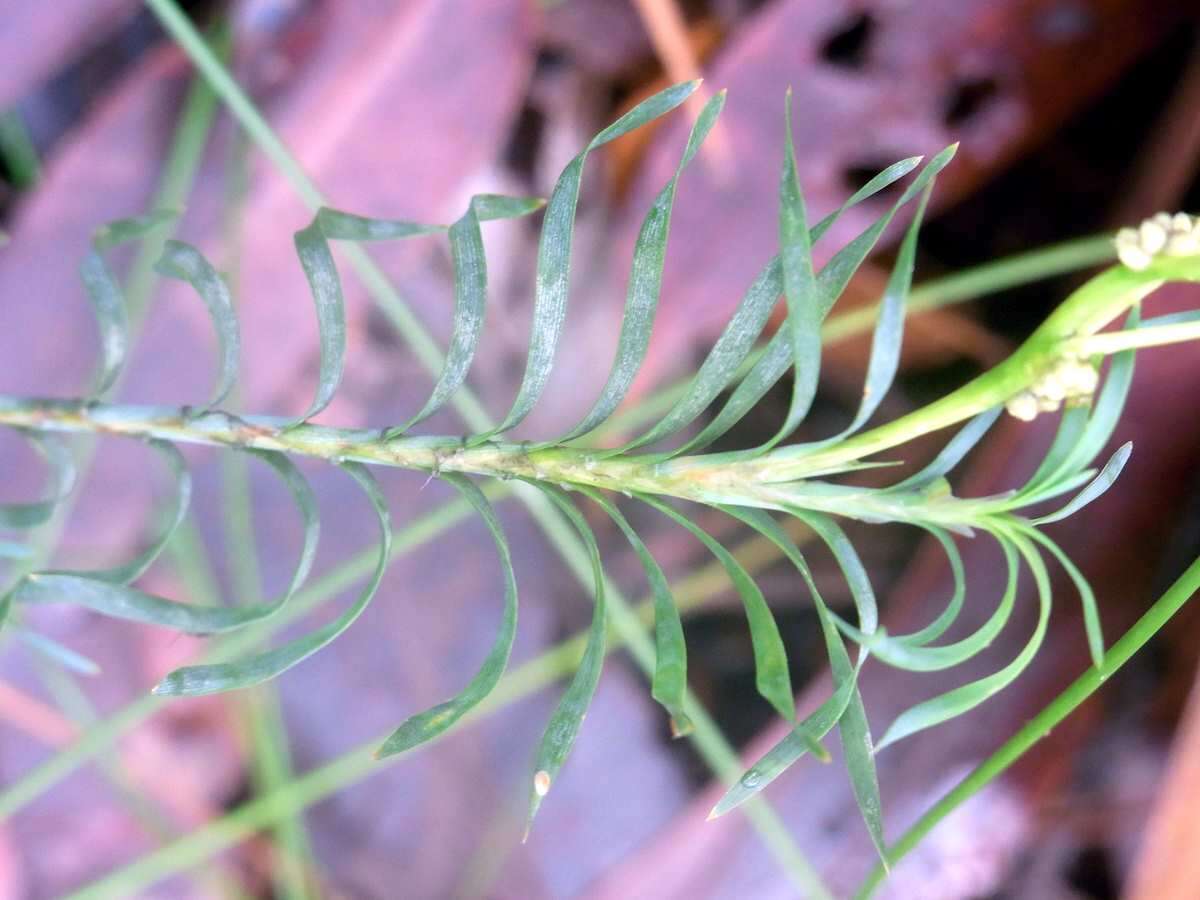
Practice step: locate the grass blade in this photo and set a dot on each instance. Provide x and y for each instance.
(56, 652)
(563, 727)
(669, 683)
(645, 283)
(427, 725)
(184, 262)
(771, 675)
(554, 255)
(61, 479)
(106, 296)
(216, 677)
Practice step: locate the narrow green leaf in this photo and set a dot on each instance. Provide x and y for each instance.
(771, 676)
(1087, 597)
(1095, 488)
(181, 495)
(123, 602)
(1070, 429)
(470, 294)
(554, 255)
(849, 562)
(953, 453)
(186, 263)
(961, 700)
(645, 283)
(889, 327)
(426, 725)
(949, 615)
(853, 727)
(800, 290)
(107, 591)
(61, 478)
(316, 258)
(912, 657)
(106, 296)
(725, 358)
(217, 677)
(669, 683)
(832, 279)
(57, 653)
(843, 703)
(563, 727)
(789, 750)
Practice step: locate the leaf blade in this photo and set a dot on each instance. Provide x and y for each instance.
(425, 726)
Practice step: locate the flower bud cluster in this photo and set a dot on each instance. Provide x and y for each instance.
(1163, 234)
(1071, 381)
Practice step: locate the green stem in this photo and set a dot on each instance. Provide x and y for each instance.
(1085, 311)
(1040, 725)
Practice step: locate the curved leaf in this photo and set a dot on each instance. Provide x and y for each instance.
(106, 296)
(563, 727)
(853, 727)
(216, 677)
(316, 258)
(470, 294)
(181, 496)
(669, 684)
(645, 283)
(949, 615)
(912, 657)
(107, 592)
(61, 464)
(961, 700)
(186, 263)
(849, 562)
(426, 725)
(771, 675)
(952, 454)
(554, 255)
(1095, 488)
(57, 653)
(1087, 597)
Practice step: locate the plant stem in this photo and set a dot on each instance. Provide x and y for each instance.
(1040, 725)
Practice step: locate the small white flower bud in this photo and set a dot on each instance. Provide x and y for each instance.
(1152, 236)
(1023, 406)
(1129, 250)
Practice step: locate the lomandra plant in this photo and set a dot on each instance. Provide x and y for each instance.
(1057, 370)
